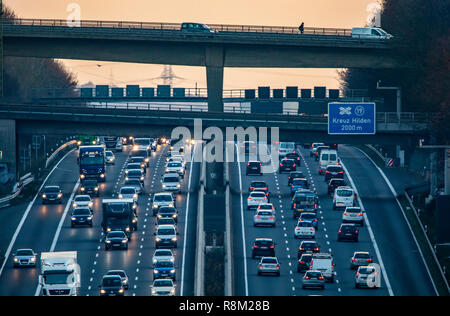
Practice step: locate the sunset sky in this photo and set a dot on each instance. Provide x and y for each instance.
(314, 13)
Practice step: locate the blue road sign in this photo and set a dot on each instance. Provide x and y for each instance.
(351, 118)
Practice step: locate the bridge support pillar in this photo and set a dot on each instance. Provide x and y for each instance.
(214, 57)
(8, 151)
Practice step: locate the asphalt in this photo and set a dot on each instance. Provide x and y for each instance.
(42, 222)
(404, 267)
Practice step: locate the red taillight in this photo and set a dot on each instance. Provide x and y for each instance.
(315, 220)
(306, 277)
(251, 188)
(360, 214)
(345, 214)
(272, 246)
(272, 217)
(278, 266)
(301, 249)
(341, 172)
(369, 260)
(356, 232)
(292, 186)
(258, 217)
(312, 229)
(260, 266)
(294, 151)
(255, 246)
(340, 231)
(327, 171)
(354, 259)
(315, 205)
(281, 165)
(301, 261)
(316, 249)
(295, 205)
(321, 278)
(294, 165)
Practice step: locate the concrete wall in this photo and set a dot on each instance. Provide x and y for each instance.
(8, 152)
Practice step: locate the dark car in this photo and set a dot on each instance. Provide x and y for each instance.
(299, 184)
(165, 221)
(258, 185)
(122, 275)
(293, 175)
(165, 211)
(81, 216)
(263, 247)
(90, 187)
(334, 183)
(254, 167)
(304, 201)
(294, 156)
(348, 232)
(112, 285)
(52, 194)
(319, 150)
(164, 270)
(304, 262)
(287, 165)
(142, 153)
(135, 174)
(138, 159)
(116, 239)
(334, 172)
(307, 246)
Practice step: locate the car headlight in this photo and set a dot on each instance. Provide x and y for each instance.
(163, 185)
(135, 196)
(121, 291)
(79, 143)
(174, 239)
(158, 239)
(90, 204)
(172, 271)
(178, 186)
(127, 229)
(89, 218)
(102, 175)
(82, 189)
(126, 178)
(44, 196)
(155, 206)
(102, 291)
(124, 241)
(159, 216)
(147, 159)
(174, 215)
(96, 189)
(73, 218)
(172, 291)
(153, 292)
(126, 171)
(16, 260)
(156, 271)
(59, 195)
(108, 229)
(108, 241)
(142, 178)
(120, 196)
(75, 204)
(33, 259)
(171, 205)
(82, 176)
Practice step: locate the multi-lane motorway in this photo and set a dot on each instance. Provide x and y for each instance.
(47, 228)
(386, 235)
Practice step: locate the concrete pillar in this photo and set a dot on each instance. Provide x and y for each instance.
(8, 151)
(1, 49)
(214, 57)
(447, 172)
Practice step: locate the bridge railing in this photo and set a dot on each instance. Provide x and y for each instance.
(177, 26)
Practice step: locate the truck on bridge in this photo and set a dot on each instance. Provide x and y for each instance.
(60, 274)
(119, 215)
(92, 162)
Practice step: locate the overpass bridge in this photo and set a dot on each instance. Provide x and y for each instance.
(229, 46)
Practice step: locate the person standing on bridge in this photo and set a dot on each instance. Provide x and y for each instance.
(301, 28)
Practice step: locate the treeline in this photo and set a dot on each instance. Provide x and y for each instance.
(22, 75)
(424, 25)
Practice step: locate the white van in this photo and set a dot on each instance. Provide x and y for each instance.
(370, 33)
(327, 157)
(286, 148)
(343, 197)
(324, 263)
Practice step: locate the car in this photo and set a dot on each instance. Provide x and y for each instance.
(138, 159)
(52, 194)
(110, 158)
(367, 276)
(327, 157)
(287, 165)
(254, 167)
(264, 218)
(266, 207)
(334, 183)
(269, 265)
(313, 279)
(163, 287)
(304, 201)
(164, 270)
(135, 174)
(24, 258)
(153, 144)
(175, 167)
(258, 185)
(319, 150)
(166, 236)
(196, 28)
(163, 255)
(171, 154)
(308, 247)
(165, 221)
(81, 216)
(128, 193)
(313, 149)
(263, 247)
(353, 215)
(142, 144)
(370, 33)
(286, 148)
(162, 199)
(293, 175)
(136, 184)
(142, 153)
(298, 184)
(294, 156)
(343, 197)
(311, 218)
(324, 263)
(116, 239)
(348, 232)
(171, 182)
(304, 262)
(177, 159)
(256, 198)
(166, 211)
(90, 187)
(123, 276)
(82, 201)
(112, 285)
(334, 172)
(304, 230)
(261, 190)
(135, 166)
(360, 258)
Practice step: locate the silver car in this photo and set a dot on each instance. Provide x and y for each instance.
(128, 193)
(171, 182)
(135, 183)
(175, 167)
(367, 276)
(264, 217)
(24, 258)
(269, 265)
(163, 287)
(313, 278)
(82, 201)
(163, 255)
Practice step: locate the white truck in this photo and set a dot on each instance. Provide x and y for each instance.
(324, 263)
(60, 274)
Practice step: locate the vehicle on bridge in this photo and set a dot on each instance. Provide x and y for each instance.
(196, 27)
(92, 162)
(119, 215)
(370, 33)
(60, 274)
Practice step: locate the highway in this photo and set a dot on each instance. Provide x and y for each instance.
(47, 228)
(386, 238)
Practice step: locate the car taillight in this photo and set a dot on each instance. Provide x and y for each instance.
(301, 249)
(272, 217)
(316, 249)
(327, 171)
(294, 165)
(292, 186)
(345, 214)
(281, 165)
(301, 261)
(260, 266)
(341, 172)
(369, 260)
(258, 217)
(356, 232)
(360, 214)
(255, 246)
(295, 205)
(321, 278)
(278, 266)
(312, 229)
(260, 164)
(354, 259)
(251, 188)
(315, 220)
(272, 246)
(357, 273)
(340, 231)
(306, 277)
(250, 198)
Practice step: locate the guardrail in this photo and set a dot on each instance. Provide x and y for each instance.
(57, 151)
(23, 181)
(177, 27)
